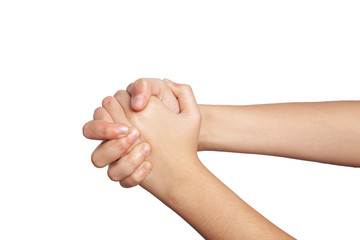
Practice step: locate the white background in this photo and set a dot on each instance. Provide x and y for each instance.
(59, 59)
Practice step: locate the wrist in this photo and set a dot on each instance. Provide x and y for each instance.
(178, 190)
(205, 134)
(167, 183)
(187, 185)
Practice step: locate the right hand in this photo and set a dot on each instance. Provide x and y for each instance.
(142, 89)
(134, 167)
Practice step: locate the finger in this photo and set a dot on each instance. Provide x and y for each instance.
(138, 176)
(152, 87)
(129, 88)
(123, 100)
(167, 97)
(125, 166)
(185, 96)
(114, 109)
(101, 130)
(110, 151)
(102, 114)
(141, 92)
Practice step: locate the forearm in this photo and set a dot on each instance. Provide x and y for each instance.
(325, 131)
(213, 209)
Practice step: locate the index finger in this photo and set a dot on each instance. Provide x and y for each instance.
(102, 130)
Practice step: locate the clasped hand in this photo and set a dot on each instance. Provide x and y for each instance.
(167, 147)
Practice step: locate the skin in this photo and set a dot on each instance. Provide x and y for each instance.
(327, 132)
(142, 89)
(180, 180)
(117, 146)
(324, 132)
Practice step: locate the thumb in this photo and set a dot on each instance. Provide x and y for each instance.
(185, 96)
(140, 94)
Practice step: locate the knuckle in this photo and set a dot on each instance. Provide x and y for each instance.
(107, 101)
(141, 80)
(136, 179)
(98, 112)
(187, 87)
(117, 94)
(131, 181)
(133, 161)
(162, 88)
(130, 162)
(129, 88)
(120, 92)
(107, 131)
(123, 144)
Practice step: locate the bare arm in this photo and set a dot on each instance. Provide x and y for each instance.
(181, 181)
(211, 208)
(327, 132)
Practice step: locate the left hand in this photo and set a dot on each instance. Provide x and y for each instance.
(173, 137)
(116, 148)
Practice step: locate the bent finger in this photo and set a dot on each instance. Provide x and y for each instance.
(127, 165)
(123, 99)
(114, 109)
(185, 96)
(129, 88)
(102, 130)
(112, 150)
(138, 176)
(101, 113)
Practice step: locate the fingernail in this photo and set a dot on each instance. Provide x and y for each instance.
(138, 101)
(122, 130)
(145, 150)
(134, 133)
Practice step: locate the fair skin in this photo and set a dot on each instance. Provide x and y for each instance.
(324, 132)
(178, 178)
(117, 141)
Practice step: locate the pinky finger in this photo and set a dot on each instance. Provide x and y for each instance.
(138, 176)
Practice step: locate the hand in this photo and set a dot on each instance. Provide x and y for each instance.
(174, 137)
(116, 147)
(142, 89)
